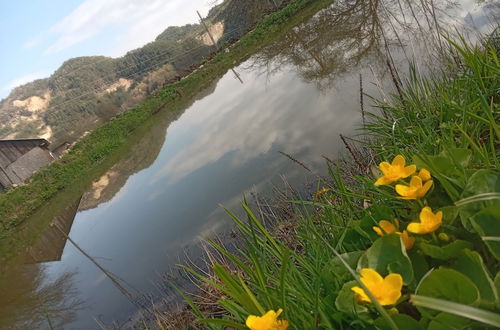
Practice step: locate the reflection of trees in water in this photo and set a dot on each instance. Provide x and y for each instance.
(29, 301)
(341, 36)
(141, 156)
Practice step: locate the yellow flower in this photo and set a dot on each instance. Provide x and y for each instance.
(424, 175)
(395, 171)
(386, 228)
(408, 241)
(429, 222)
(415, 189)
(267, 321)
(386, 290)
(320, 193)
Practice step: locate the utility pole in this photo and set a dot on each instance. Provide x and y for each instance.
(206, 28)
(106, 272)
(215, 43)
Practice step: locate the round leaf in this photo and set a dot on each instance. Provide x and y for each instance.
(388, 255)
(448, 284)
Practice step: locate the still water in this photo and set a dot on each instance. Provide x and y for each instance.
(296, 96)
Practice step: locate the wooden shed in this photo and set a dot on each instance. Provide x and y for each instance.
(20, 158)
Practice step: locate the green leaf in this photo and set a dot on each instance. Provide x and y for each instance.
(497, 284)
(469, 312)
(388, 255)
(346, 301)
(403, 321)
(446, 252)
(460, 157)
(336, 268)
(420, 265)
(448, 168)
(450, 214)
(471, 264)
(448, 284)
(487, 224)
(445, 321)
(481, 182)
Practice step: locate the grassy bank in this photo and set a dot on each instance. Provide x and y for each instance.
(412, 244)
(99, 150)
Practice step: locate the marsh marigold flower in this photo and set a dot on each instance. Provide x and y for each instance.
(429, 222)
(268, 321)
(385, 228)
(408, 241)
(395, 171)
(415, 190)
(386, 290)
(424, 175)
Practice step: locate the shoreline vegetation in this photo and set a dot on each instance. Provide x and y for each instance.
(95, 153)
(403, 235)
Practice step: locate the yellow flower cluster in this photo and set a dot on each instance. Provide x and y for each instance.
(387, 290)
(268, 321)
(419, 184)
(385, 228)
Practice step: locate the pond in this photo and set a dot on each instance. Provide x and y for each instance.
(104, 255)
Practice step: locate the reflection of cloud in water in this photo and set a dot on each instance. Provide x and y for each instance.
(251, 121)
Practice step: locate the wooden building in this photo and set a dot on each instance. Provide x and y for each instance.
(20, 158)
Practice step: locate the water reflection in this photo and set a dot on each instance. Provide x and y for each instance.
(142, 155)
(165, 193)
(32, 299)
(340, 37)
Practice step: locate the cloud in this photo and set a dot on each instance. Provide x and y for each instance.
(132, 23)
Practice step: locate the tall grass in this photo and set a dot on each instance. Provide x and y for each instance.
(456, 111)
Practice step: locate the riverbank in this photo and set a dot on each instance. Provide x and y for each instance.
(95, 153)
(424, 225)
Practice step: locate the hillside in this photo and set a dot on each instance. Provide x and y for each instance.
(88, 91)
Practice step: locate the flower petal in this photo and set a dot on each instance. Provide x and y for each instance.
(370, 277)
(390, 298)
(415, 182)
(393, 282)
(424, 175)
(252, 321)
(399, 160)
(402, 190)
(426, 215)
(281, 325)
(384, 167)
(408, 241)
(387, 227)
(439, 216)
(414, 227)
(361, 294)
(425, 188)
(408, 170)
(383, 181)
(378, 231)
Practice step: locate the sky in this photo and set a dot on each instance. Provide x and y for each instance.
(37, 36)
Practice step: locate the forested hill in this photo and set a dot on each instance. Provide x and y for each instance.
(87, 91)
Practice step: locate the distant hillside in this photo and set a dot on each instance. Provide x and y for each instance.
(87, 91)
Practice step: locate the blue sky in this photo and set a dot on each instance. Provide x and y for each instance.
(37, 36)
